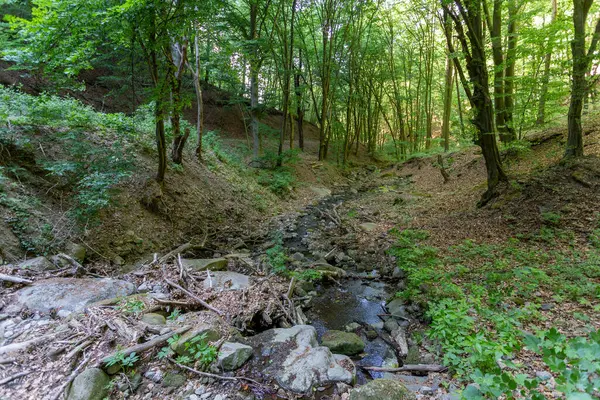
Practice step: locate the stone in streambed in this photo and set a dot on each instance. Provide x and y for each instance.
(91, 384)
(202, 264)
(154, 319)
(347, 343)
(38, 264)
(225, 280)
(233, 355)
(380, 389)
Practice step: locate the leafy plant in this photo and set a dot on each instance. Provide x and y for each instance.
(200, 350)
(131, 306)
(174, 314)
(119, 358)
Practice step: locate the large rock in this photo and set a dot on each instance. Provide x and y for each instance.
(154, 319)
(380, 389)
(320, 191)
(91, 384)
(38, 264)
(295, 360)
(202, 264)
(347, 343)
(233, 355)
(76, 251)
(225, 280)
(10, 247)
(68, 294)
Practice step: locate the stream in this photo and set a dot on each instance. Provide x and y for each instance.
(349, 300)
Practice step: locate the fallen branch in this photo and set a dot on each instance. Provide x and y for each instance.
(215, 376)
(79, 348)
(13, 377)
(193, 296)
(410, 367)
(14, 279)
(72, 376)
(139, 348)
(21, 346)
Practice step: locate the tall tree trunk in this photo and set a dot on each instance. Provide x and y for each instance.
(496, 39)
(200, 104)
(474, 50)
(299, 107)
(509, 73)
(447, 102)
(178, 58)
(254, 67)
(541, 116)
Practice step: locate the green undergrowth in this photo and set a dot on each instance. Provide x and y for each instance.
(478, 298)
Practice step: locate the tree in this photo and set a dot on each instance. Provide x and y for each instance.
(466, 14)
(581, 65)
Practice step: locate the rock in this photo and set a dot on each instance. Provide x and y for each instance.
(368, 226)
(347, 343)
(212, 334)
(220, 397)
(352, 327)
(200, 390)
(233, 355)
(399, 337)
(294, 359)
(371, 334)
(380, 389)
(377, 325)
(297, 256)
(91, 384)
(546, 307)
(38, 264)
(398, 273)
(202, 264)
(426, 390)
(155, 375)
(543, 375)
(397, 308)
(10, 247)
(154, 319)
(390, 325)
(76, 251)
(68, 294)
(321, 191)
(329, 270)
(226, 280)
(413, 356)
(172, 379)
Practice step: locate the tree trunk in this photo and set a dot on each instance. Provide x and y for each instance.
(254, 67)
(546, 77)
(178, 58)
(509, 73)
(200, 106)
(299, 108)
(496, 39)
(447, 102)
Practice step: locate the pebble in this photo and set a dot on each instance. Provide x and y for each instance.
(220, 397)
(193, 397)
(200, 390)
(8, 334)
(543, 375)
(426, 390)
(206, 395)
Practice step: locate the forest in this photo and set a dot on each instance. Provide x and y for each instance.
(299, 199)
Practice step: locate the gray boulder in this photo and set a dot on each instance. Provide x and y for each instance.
(76, 251)
(202, 264)
(397, 308)
(225, 280)
(38, 264)
(347, 343)
(295, 360)
(91, 384)
(380, 389)
(68, 294)
(233, 355)
(154, 319)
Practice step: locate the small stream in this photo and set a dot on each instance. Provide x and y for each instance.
(350, 301)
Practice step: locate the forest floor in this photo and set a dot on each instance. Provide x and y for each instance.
(352, 239)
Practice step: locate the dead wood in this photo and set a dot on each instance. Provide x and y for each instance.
(14, 279)
(193, 296)
(26, 344)
(410, 367)
(215, 376)
(139, 348)
(13, 377)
